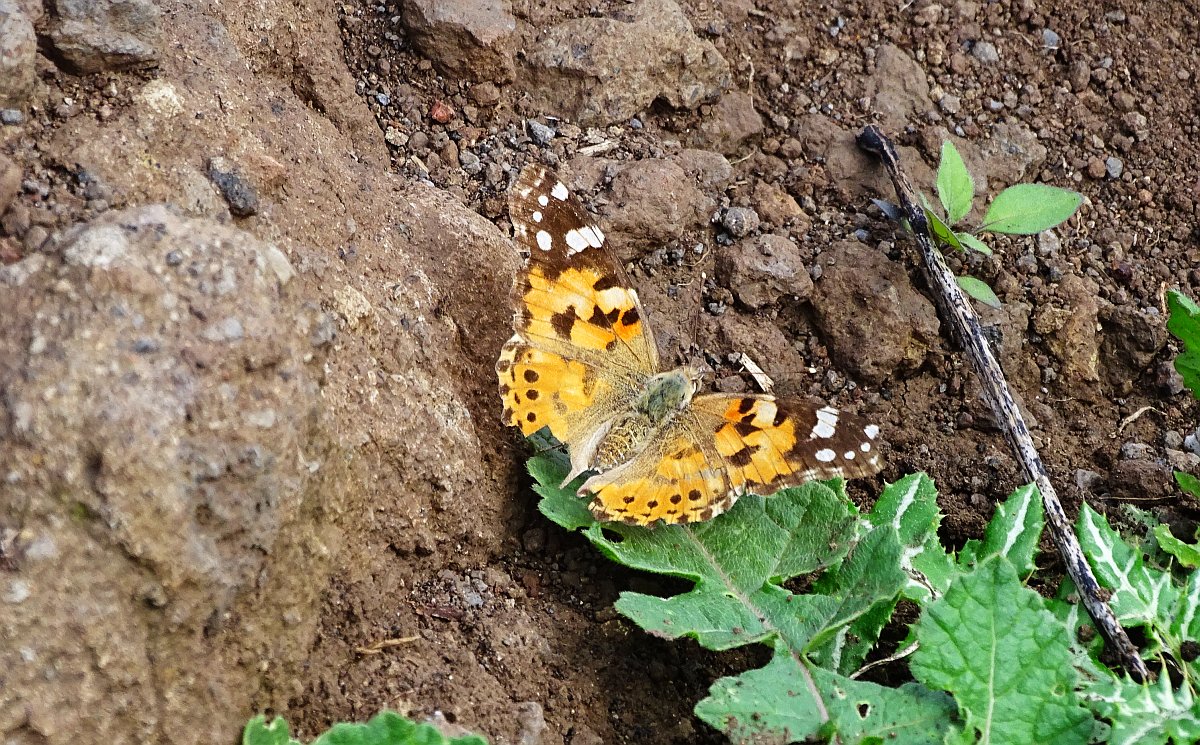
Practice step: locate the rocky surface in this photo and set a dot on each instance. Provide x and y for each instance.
(254, 263)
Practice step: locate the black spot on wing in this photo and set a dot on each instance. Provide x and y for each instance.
(743, 457)
(746, 405)
(531, 376)
(562, 323)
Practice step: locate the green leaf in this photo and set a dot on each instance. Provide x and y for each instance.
(1015, 529)
(941, 231)
(954, 185)
(787, 701)
(1184, 323)
(992, 644)
(1187, 554)
(1026, 209)
(909, 506)
(974, 243)
(979, 290)
(1189, 483)
(1152, 714)
(387, 728)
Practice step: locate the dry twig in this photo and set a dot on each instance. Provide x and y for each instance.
(957, 311)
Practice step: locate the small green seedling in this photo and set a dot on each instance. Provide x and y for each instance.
(1023, 209)
(386, 728)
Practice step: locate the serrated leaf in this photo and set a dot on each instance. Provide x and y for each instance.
(1187, 554)
(1141, 595)
(955, 187)
(1152, 714)
(787, 701)
(979, 290)
(737, 560)
(1027, 209)
(1015, 529)
(909, 506)
(974, 243)
(1184, 323)
(386, 728)
(991, 643)
(941, 231)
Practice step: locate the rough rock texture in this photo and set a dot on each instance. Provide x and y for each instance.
(471, 39)
(875, 324)
(898, 87)
(95, 35)
(1070, 327)
(600, 70)
(18, 50)
(762, 270)
(652, 202)
(730, 124)
(850, 168)
(163, 448)
(1012, 153)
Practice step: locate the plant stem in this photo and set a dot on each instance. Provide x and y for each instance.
(956, 309)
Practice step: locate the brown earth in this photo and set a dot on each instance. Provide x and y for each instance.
(251, 436)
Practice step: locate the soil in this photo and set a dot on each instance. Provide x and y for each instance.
(416, 571)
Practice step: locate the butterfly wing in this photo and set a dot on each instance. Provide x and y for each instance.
(723, 446)
(581, 348)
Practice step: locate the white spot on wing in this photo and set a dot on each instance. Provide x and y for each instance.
(537, 216)
(826, 455)
(559, 192)
(848, 455)
(823, 429)
(544, 241)
(589, 232)
(576, 241)
(543, 200)
(871, 430)
(865, 447)
(599, 235)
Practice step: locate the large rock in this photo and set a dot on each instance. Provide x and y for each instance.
(472, 39)
(95, 35)
(163, 447)
(730, 124)
(653, 202)
(875, 324)
(763, 269)
(602, 70)
(18, 52)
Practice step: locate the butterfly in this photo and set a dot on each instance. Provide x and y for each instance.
(582, 362)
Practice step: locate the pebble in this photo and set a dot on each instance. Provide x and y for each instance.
(950, 104)
(740, 221)
(11, 117)
(1050, 39)
(1114, 167)
(1172, 439)
(239, 194)
(538, 132)
(985, 52)
(1136, 451)
(1088, 481)
(1191, 443)
(1095, 168)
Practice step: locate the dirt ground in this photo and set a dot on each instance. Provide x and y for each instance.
(378, 139)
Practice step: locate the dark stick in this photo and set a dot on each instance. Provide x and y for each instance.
(955, 307)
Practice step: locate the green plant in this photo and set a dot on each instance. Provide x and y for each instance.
(1184, 323)
(1022, 209)
(386, 728)
(992, 661)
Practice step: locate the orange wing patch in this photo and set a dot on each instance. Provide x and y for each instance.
(541, 389)
(583, 308)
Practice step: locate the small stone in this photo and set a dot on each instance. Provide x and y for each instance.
(486, 94)
(383, 99)
(1191, 443)
(228, 329)
(395, 137)
(1050, 39)
(538, 132)
(740, 221)
(441, 112)
(17, 592)
(418, 142)
(1079, 74)
(1172, 440)
(1136, 451)
(1088, 481)
(1095, 168)
(11, 117)
(985, 52)
(1113, 166)
(950, 104)
(239, 194)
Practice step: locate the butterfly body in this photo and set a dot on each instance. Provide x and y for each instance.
(583, 363)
